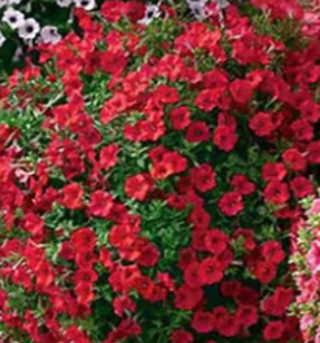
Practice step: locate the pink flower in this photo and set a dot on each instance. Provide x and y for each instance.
(315, 208)
(313, 257)
(306, 321)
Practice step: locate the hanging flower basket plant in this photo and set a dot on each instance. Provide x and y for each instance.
(151, 172)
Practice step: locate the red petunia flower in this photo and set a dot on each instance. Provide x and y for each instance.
(265, 271)
(108, 156)
(231, 203)
(197, 131)
(210, 271)
(180, 118)
(101, 204)
(73, 196)
(216, 241)
(149, 256)
(181, 336)
(241, 91)
(202, 322)
(192, 275)
(207, 99)
(301, 187)
(262, 125)
(203, 178)
(225, 138)
(277, 192)
(187, 298)
(294, 159)
(242, 184)
(274, 171)
(273, 330)
(83, 240)
(139, 186)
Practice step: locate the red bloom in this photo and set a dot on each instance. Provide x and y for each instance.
(242, 185)
(187, 298)
(122, 304)
(198, 131)
(198, 239)
(313, 152)
(186, 257)
(273, 331)
(85, 275)
(108, 156)
(83, 240)
(72, 196)
(231, 203)
(272, 252)
(202, 322)
(111, 10)
(302, 130)
(247, 315)
(216, 241)
(203, 177)
(241, 91)
(274, 171)
(139, 186)
(301, 187)
(149, 256)
(277, 304)
(277, 192)
(101, 204)
(171, 163)
(210, 271)
(167, 95)
(207, 100)
(181, 336)
(229, 325)
(180, 118)
(262, 124)
(44, 274)
(192, 275)
(225, 138)
(133, 10)
(200, 218)
(294, 159)
(105, 258)
(34, 224)
(265, 272)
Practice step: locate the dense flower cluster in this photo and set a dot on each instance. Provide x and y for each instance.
(150, 177)
(306, 262)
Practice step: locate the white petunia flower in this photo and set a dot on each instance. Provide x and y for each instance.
(13, 18)
(13, 2)
(88, 5)
(2, 39)
(152, 11)
(8, 3)
(49, 34)
(198, 10)
(197, 2)
(29, 29)
(222, 4)
(64, 3)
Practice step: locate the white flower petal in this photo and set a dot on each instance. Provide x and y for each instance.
(88, 5)
(50, 35)
(2, 39)
(13, 18)
(29, 29)
(64, 3)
